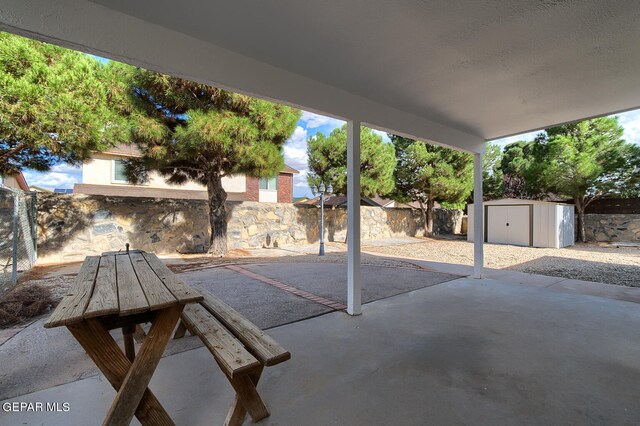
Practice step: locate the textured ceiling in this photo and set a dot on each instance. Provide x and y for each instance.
(490, 68)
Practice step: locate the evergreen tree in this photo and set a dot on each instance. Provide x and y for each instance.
(328, 162)
(193, 132)
(516, 158)
(56, 105)
(427, 173)
(492, 176)
(583, 161)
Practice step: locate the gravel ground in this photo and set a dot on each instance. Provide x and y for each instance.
(590, 262)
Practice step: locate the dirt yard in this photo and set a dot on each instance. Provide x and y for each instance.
(590, 262)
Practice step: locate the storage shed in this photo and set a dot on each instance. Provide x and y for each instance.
(526, 223)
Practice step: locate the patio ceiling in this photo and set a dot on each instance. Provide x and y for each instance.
(453, 72)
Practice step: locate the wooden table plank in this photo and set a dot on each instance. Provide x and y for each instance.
(154, 289)
(73, 305)
(182, 292)
(104, 300)
(130, 294)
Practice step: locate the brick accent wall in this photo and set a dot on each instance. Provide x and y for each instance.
(253, 188)
(285, 188)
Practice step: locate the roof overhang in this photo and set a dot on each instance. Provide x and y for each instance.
(451, 72)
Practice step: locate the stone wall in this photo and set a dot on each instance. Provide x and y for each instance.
(612, 227)
(71, 227)
(448, 221)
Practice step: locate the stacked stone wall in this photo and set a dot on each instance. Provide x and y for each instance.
(71, 227)
(612, 227)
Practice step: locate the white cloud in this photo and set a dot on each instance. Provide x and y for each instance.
(66, 168)
(521, 137)
(295, 155)
(631, 123)
(51, 180)
(314, 121)
(385, 136)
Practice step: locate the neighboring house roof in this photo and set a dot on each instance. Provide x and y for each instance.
(512, 201)
(144, 191)
(22, 182)
(337, 201)
(383, 202)
(38, 189)
(289, 170)
(124, 150)
(377, 201)
(133, 151)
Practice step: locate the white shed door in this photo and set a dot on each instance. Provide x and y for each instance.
(508, 225)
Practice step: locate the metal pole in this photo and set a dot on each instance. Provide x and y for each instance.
(354, 284)
(16, 214)
(321, 224)
(478, 219)
(34, 223)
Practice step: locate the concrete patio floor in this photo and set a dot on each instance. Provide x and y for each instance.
(461, 352)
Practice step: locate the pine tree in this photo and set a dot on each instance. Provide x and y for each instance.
(583, 161)
(328, 162)
(193, 132)
(56, 105)
(429, 174)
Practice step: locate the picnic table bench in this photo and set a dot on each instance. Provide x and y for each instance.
(239, 347)
(126, 289)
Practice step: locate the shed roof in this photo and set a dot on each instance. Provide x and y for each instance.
(511, 201)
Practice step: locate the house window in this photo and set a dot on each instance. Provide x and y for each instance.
(118, 171)
(270, 184)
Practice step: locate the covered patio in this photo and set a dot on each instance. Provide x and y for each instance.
(451, 73)
(461, 352)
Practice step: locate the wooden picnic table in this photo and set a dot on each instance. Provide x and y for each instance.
(122, 290)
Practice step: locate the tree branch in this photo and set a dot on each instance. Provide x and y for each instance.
(9, 152)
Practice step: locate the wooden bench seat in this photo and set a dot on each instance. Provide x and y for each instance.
(239, 347)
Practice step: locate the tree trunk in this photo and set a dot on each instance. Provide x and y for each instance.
(580, 207)
(429, 223)
(217, 197)
(425, 219)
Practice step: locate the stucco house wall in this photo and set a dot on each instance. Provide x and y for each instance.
(100, 171)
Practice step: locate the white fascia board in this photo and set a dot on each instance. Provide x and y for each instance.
(95, 29)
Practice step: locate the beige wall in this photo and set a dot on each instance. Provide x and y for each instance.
(267, 196)
(10, 182)
(99, 171)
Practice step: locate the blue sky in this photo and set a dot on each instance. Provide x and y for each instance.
(295, 151)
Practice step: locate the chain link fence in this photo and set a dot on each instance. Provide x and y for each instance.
(18, 248)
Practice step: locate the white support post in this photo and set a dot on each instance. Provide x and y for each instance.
(478, 218)
(354, 287)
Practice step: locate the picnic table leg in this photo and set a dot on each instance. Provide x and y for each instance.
(108, 357)
(135, 383)
(139, 333)
(180, 331)
(246, 397)
(129, 347)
